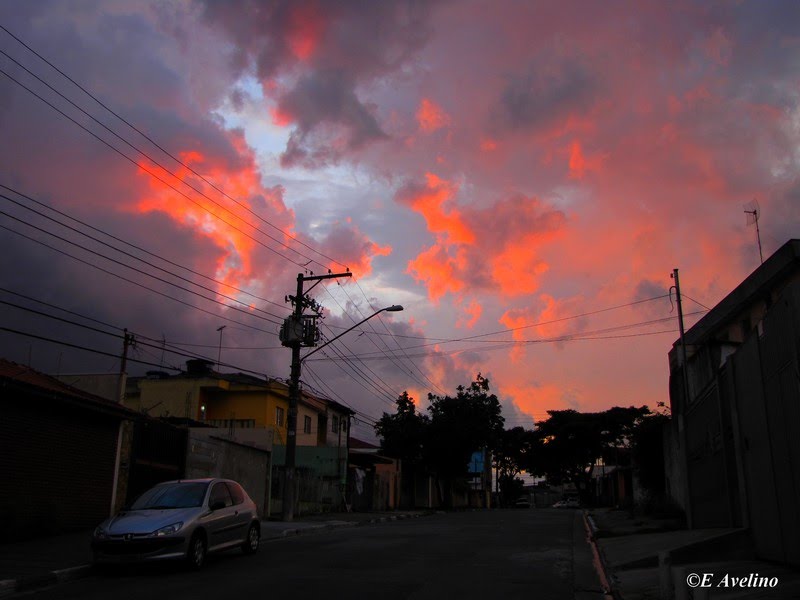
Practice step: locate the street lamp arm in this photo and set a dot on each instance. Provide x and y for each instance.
(393, 308)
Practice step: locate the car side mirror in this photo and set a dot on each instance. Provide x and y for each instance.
(217, 505)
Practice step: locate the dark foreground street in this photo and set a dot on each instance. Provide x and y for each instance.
(481, 554)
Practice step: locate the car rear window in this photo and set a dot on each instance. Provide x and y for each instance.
(237, 493)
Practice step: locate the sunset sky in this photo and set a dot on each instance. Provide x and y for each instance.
(522, 176)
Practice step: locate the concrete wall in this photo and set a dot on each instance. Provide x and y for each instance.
(210, 456)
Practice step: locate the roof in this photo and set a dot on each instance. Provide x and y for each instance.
(776, 269)
(357, 444)
(29, 380)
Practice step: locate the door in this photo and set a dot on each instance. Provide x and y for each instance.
(220, 523)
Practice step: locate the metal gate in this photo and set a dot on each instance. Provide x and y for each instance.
(158, 453)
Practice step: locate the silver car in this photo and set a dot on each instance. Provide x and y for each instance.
(185, 519)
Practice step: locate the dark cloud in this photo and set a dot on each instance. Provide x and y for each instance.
(335, 47)
(550, 88)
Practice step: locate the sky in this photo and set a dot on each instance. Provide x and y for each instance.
(523, 177)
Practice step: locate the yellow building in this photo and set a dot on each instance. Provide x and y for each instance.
(237, 403)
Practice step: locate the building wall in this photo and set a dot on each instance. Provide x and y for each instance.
(210, 456)
(43, 491)
(240, 405)
(179, 397)
(741, 447)
(767, 404)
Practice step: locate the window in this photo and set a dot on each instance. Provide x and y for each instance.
(335, 424)
(306, 424)
(279, 416)
(236, 492)
(220, 493)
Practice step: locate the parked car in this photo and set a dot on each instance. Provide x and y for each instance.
(567, 503)
(523, 502)
(186, 520)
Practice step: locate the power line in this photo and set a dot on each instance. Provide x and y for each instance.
(393, 359)
(140, 248)
(156, 177)
(128, 254)
(70, 345)
(163, 346)
(162, 149)
(136, 283)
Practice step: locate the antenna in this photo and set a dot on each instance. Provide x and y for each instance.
(753, 212)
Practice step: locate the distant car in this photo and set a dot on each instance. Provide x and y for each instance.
(186, 520)
(567, 503)
(523, 503)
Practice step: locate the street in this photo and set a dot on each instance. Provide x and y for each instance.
(480, 554)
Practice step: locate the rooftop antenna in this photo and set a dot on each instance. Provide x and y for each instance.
(753, 212)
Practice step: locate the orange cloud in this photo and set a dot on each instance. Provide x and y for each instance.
(472, 312)
(579, 163)
(430, 203)
(504, 257)
(223, 222)
(536, 400)
(438, 271)
(281, 118)
(305, 28)
(431, 116)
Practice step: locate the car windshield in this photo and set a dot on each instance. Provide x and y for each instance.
(172, 495)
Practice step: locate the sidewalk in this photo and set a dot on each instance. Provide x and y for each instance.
(649, 559)
(45, 561)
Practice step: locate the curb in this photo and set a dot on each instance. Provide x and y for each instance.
(600, 560)
(9, 587)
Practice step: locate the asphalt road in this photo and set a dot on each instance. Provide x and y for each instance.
(480, 554)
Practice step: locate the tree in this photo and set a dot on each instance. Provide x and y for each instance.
(403, 434)
(567, 444)
(511, 454)
(459, 426)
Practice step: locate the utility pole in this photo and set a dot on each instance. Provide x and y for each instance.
(298, 331)
(686, 391)
(219, 352)
(127, 340)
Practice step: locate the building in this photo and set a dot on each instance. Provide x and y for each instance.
(254, 411)
(732, 451)
(60, 454)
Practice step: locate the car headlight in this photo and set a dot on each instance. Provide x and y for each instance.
(169, 529)
(100, 533)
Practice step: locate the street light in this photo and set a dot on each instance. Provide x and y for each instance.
(294, 399)
(392, 308)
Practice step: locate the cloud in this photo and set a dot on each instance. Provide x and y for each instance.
(313, 58)
(431, 117)
(479, 249)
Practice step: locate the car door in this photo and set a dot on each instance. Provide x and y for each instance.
(242, 515)
(220, 523)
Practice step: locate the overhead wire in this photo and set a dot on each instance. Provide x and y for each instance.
(139, 284)
(140, 248)
(345, 312)
(151, 159)
(134, 257)
(139, 336)
(157, 145)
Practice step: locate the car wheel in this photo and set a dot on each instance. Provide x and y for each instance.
(250, 545)
(196, 554)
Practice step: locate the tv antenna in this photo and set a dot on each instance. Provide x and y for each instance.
(753, 212)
